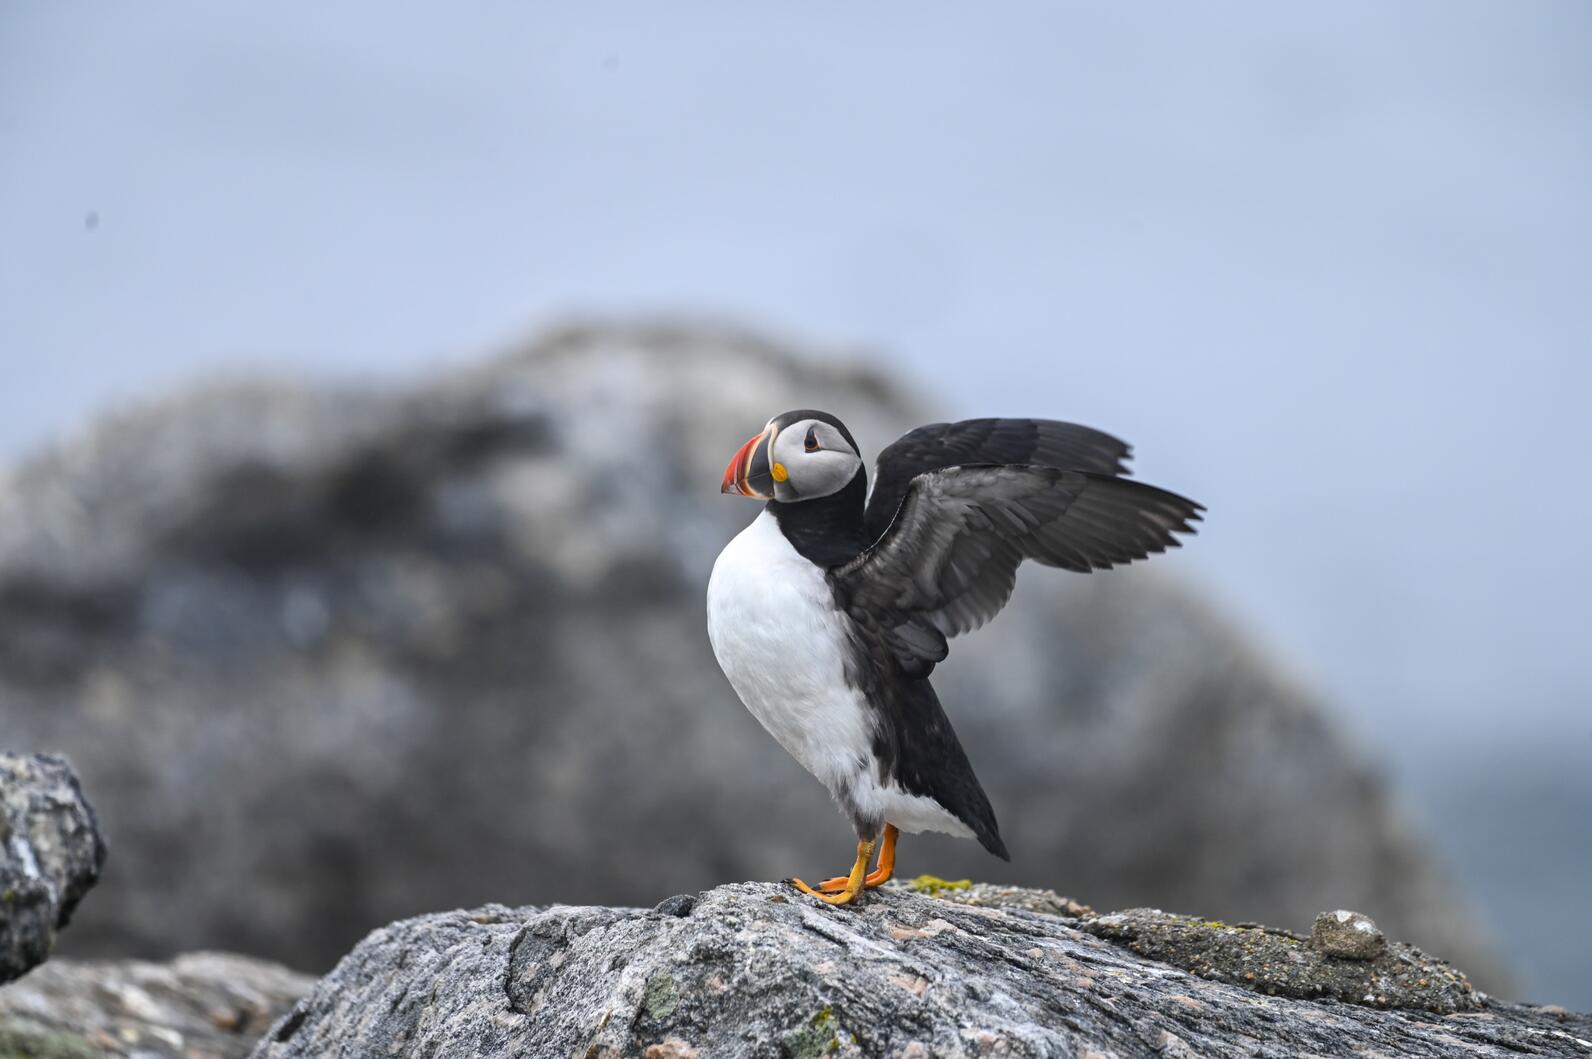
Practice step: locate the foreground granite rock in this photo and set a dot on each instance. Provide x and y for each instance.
(754, 970)
(51, 852)
(465, 616)
(204, 1005)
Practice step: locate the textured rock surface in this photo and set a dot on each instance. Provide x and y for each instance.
(51, 852)
(1280, 962)
(1351, 935)
(204, 1005)
(752, 969)
(370, 651)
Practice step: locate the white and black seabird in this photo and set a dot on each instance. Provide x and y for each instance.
(829, 612)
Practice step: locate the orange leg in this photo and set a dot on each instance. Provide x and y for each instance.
(880, 875)
(854, 881)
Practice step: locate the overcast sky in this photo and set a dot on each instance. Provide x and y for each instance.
(1328, 266)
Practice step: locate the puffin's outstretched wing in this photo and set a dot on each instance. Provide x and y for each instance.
(948, 561)
(1028, 442)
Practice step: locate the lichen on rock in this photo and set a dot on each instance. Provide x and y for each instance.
(991, 895)
(1279, 962)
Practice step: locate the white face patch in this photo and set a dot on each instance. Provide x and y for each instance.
(810, 459)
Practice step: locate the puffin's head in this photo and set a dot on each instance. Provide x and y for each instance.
(800, 455)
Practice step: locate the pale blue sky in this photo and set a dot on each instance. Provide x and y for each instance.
(1329, 267)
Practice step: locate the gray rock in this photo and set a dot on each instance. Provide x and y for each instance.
(366, 651)
(1279, 962)
(755, 970)
(991, 895)
(51, 852)
(1350, 935)
(678, 905)
(205, 1005)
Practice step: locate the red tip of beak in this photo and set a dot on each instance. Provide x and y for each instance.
(735, 473)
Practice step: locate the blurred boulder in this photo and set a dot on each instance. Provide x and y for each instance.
(366, 651)
(51, 852)
(203, 1005)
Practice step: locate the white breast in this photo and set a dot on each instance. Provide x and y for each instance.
(782, 643)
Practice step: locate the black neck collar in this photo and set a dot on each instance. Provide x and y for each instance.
(826, 531)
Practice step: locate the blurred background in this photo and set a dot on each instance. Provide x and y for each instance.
(370, 373)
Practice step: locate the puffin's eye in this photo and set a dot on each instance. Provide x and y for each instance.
(811, 444)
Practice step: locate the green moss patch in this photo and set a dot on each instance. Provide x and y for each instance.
(820, 1036)
(36, 1044)
(661, 998)
(933, 884)
(1277, 962)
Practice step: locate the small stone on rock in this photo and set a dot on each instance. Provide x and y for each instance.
(679, 905)
(1346, 934)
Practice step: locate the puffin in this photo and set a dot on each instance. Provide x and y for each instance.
(829, 612)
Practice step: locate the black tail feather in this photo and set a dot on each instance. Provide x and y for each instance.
(930, 761)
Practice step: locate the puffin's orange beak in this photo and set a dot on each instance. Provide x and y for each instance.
(739, 474)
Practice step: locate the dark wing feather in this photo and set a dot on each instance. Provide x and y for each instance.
(948, 561)
(1027, 442)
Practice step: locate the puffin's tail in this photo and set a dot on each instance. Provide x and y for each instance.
(984, 824)
(937, 761)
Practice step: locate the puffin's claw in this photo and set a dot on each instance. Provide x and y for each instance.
(844, 897)
(854, 881)
(882, 873)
